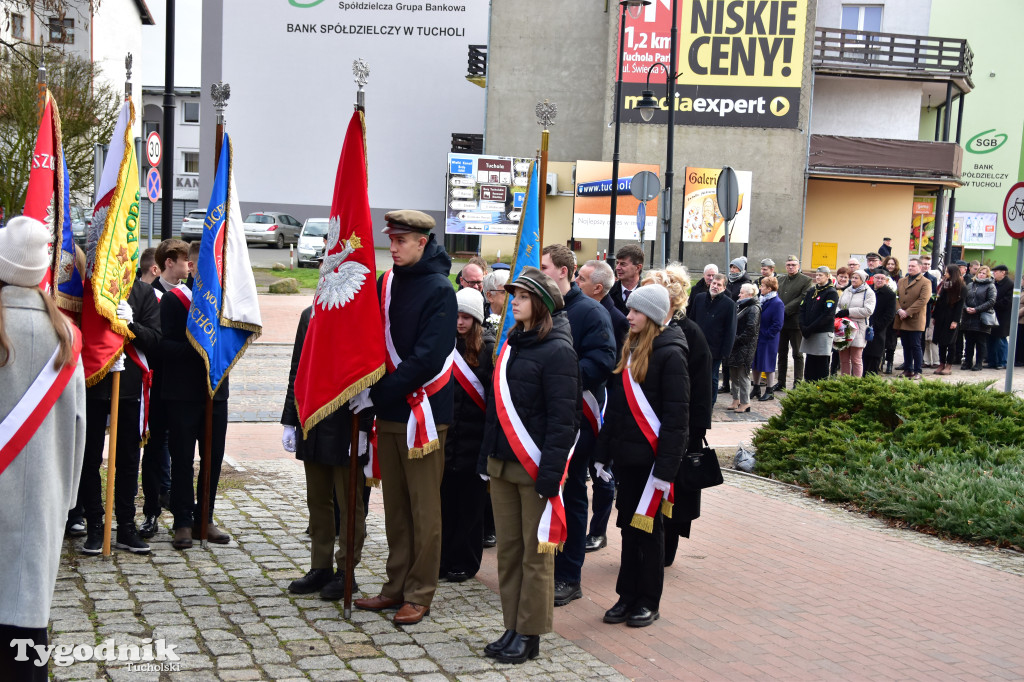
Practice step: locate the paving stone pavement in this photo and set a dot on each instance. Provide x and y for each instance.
(229, 614)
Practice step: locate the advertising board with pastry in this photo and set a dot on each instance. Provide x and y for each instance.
(702, 218)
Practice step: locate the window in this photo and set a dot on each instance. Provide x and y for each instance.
(62, 30)
(190, 112)
(190, 162)
(149, 127)
(862, 18)
(18, 26)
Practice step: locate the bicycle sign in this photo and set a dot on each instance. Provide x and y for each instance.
(1013, 211)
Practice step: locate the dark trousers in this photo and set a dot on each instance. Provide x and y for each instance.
(872, 364)
(156, 459)
(947, 352)
(790, 338)
(642, 564)
(462, 521)
(716, 367)
(997, 350)
(1019, 351)
(603, 498)
(488, 515)
(569, 562)
(913, 351)
(975, 343)
(833, 368)
(816, 367)
(958, 348)
(891, 338)
(186, 424)
(27, 670)
(126, 462)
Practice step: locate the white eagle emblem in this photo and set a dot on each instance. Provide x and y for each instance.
(99, 221)
(340, 281)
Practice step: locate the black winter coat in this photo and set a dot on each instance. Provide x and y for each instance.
(423, 316)
(620, 325)
(1004, 306)
(816, 315)
(699, 368)
(733, 288)
(592, 338)
(544, 384)
(466, 432)
(717, 319)
(881, 321)
(748, 325)
(330, 440)
(146, 327)
(980, 295)
(946, 312)
(667, 388)
(186, 377)
(701, 287)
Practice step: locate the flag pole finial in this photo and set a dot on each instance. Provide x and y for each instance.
(361, 72)
(128, 76)
(220, 92)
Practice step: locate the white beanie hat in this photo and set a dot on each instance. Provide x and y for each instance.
(471, 302)
(23, 252)
(653, 301)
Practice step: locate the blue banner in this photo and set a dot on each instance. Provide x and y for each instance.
(527, 250)
(72, 286)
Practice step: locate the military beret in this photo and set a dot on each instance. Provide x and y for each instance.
(536, 282)
(408, 220)
(767, 262)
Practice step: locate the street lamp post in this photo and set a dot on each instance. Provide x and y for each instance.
(634, 11)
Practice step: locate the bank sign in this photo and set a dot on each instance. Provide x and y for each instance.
(740, 62)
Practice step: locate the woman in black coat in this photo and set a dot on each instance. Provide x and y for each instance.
(463, 493)
(748, 326)
(538, 374)
(817, 325)
(949, 307)
(653, 367)
(880, 322)
(978, 319)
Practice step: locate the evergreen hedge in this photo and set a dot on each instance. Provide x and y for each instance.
(940, 457)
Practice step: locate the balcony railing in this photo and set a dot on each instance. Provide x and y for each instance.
(476, 71)
(893, 55)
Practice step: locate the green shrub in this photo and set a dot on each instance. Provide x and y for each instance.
(937, 456)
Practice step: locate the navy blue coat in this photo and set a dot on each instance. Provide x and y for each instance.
(717, 319)
(592, 338)
(423, 316)
(620, 325)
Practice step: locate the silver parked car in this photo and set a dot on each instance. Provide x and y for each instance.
(312, 241)
(192, 224)
(271, 227)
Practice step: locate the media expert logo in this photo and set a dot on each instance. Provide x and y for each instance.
(985, 142)
(66, 654)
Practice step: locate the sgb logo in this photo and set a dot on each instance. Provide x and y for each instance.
(985, 142)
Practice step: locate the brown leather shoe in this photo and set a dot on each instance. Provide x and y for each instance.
(410, 614)
(216, 535)
(182, 538)
(378, 603)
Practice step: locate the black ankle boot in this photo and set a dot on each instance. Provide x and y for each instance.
(498, 645)
(888, 367)
(521, 649)
(768, 395)
(755, 392)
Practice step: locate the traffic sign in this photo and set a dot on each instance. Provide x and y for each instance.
(728, 193)
(1013, 212)
(153, 185)
(154, 148)
(641, 217)
(644, 185)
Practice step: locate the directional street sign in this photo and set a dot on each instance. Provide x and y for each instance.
(153, 185)
(154, 148)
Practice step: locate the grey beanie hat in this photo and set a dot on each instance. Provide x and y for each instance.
(471, 302)
(740, 262)
(768, 262)
(653, 301)
(24, 255)
(823, 269)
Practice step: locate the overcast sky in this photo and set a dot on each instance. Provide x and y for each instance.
(188, 39)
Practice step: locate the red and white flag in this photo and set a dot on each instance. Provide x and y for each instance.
(344, 348)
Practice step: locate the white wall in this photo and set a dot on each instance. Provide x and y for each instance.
(117, 30)
(866, 108)
(898, 16)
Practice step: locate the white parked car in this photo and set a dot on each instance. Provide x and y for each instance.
(312, 241)
(192, 224)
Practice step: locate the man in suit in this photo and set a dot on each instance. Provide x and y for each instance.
(628, 266)
(715, 313)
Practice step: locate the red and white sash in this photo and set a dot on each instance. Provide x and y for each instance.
(650, 425)
(593, 411)
(22, 422)
(183, 294)
(140, 359)
(469, 381)
(551, 531)
(421, 432)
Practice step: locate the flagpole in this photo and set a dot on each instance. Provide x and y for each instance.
(361, 72)
(546, 112)
(220, 93)
(41, 97)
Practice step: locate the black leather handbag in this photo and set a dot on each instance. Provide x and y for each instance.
(700, 469)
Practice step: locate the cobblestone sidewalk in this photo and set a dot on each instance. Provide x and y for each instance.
(228, 612)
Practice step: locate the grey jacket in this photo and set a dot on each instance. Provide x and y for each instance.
(41, 484)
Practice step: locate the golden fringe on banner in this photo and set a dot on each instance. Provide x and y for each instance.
(549, 547)
(419, 453)
(98, 376)
(343, 397)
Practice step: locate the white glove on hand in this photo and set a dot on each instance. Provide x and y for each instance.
(124, 312)
(362, 444)
(118, 365)
(485, 477)
(601, 472)
(360, 402)
(663, 486)
(288, 439)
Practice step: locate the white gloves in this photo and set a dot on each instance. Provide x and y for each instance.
(118, 365)
(601, 472)
(124, 312)
(663, 486)
(360, 402)
(362, 444)
(288, 439)
(484, 477)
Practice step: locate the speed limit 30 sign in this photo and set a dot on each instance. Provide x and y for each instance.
(154, 148)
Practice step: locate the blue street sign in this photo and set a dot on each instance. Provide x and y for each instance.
(517, 199)
(460, 166)
(641, 216)
(153, 185)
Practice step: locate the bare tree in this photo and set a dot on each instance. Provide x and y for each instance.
(14, 47)
(88, 111)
